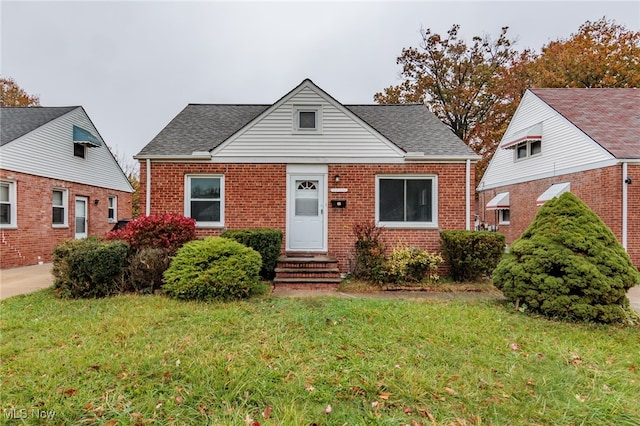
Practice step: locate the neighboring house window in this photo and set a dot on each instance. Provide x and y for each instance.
(59, 214)
(406, 201)
(204, 199)
(504, 217)
(112, 208)
(307, 119)
(7, 204)
(528, 149)
(79, 150)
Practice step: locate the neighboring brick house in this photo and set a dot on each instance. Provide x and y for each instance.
(586, 141)
(311, 167)
(58, 180)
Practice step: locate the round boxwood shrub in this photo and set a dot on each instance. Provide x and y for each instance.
(568, 264)
(213, 269)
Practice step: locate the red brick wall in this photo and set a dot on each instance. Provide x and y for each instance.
(35, 237)
(600, 189)
(255, 196)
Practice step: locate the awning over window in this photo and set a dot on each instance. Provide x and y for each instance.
(499, 202)
(553, 191)
(84, 137)
(533, 133)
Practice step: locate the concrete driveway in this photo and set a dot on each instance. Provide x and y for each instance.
(31, 278)
(24, 280)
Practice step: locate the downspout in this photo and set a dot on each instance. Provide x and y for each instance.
(468, 196)
(624, 205)
(148, 190)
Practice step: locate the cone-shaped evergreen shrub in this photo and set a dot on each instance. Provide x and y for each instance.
(213, 269)
(568, 264)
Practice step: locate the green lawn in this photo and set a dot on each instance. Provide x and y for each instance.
(151, 360)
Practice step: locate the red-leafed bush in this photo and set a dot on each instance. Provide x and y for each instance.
(166, 231)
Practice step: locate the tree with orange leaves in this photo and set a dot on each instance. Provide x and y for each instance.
(12, 95)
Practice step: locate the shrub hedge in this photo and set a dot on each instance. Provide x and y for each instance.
(146, 269)
(568, 264)
(213, 269)
(89, 268)
(265, 241)
(471, 254)
(166, 231)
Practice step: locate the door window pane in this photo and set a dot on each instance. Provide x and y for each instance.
(307, 201)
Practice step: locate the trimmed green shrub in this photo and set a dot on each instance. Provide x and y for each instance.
(410, 264)
(369, 250)
(265, 241)
(213, 269)
(89, 268)
(146, 269)
(471, 254)
(166, 231)
(568, 264)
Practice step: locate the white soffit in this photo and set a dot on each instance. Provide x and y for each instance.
(499, 202)
(553, 191)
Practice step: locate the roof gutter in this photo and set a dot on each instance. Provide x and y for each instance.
(196, 156)
(420, 156)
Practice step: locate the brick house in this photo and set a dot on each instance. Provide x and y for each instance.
(311, 167)
(586, 141)
(58, 180)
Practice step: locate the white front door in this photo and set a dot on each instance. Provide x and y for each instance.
(82, 222)
(306, 212)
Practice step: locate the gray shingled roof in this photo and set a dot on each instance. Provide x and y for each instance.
(18, 121)
(611, 117)
(199, 127)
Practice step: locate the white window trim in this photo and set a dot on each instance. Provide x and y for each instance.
(13, 205)
(65, 206)
(297, 109)
(187, 199)
(501, 220)
(115, 208)
(409, 225)
(528, 145)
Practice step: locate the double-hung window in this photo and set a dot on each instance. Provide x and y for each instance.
(204, 199)
(406, 201)
(7, 204)
(112, 208)
(59, 208)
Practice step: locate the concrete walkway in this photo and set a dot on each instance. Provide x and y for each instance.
(31, 278)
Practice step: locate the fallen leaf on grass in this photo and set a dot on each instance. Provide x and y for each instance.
(111, 423)
(267, 412)
(514, 346)
(179, 399)
(327, 410)
(450, 391)
(384, 395)
(67, 392)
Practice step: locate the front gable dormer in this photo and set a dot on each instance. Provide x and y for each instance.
(307, 125)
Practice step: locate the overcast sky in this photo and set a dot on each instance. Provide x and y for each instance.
(134, 65)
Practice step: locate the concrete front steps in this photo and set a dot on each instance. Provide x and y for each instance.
(301, 271)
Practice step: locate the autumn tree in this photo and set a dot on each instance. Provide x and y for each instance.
(463, 84)
(600, 54)
(132, 172)
(12, 95)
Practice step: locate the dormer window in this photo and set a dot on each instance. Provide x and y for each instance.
(527, 149)
(307, 119)
(79, 150)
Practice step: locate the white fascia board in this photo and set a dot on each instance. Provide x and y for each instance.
(200, 157)
(440, 158)
(559, 172)
(307, 160)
